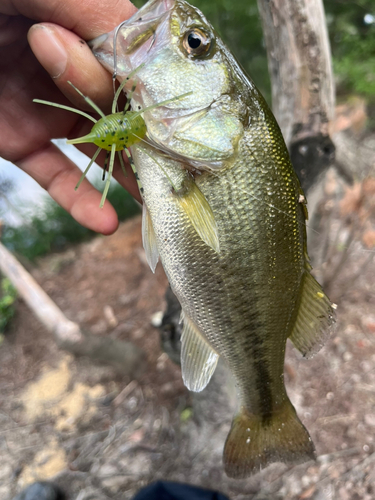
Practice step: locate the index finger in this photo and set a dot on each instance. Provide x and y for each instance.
(87, 18)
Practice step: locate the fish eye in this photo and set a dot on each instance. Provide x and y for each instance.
(197, 43)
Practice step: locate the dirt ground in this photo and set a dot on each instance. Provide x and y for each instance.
(102, 436)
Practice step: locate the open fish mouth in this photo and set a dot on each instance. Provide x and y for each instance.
(126, 47)
(130, 48)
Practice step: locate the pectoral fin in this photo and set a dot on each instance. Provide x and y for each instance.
(198, 358)
(315, 318)
(149, 239)
(197, 208)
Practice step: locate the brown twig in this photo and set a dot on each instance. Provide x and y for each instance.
(125, 357)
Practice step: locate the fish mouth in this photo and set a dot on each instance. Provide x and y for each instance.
(127, 46)
(141, 51)
(126, 50)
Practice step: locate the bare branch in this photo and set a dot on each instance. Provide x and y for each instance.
(125, 357)
(64, 330)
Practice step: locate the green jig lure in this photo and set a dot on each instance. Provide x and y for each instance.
(115, 132)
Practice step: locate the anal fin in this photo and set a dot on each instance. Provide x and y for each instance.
(198, 358)
(315, 318)
(149, 239)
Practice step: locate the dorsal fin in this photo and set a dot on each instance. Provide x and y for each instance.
(315, 318)
(198, 358)
(149, 239)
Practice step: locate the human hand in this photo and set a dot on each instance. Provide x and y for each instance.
(36, 61)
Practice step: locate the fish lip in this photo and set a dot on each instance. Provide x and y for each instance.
(152, 13)
(130, 43)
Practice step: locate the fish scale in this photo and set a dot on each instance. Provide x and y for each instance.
(223, 209)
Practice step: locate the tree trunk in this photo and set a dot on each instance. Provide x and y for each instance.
(303, 99)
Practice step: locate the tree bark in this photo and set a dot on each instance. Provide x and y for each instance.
(124, 357)
(303, 99)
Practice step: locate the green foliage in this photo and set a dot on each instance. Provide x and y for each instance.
(52, 229)
(7, 297)
(353, 45)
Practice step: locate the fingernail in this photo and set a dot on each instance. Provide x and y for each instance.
(48, 49)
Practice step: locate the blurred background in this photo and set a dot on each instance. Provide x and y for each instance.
(104, 434)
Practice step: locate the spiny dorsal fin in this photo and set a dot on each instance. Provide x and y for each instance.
(315, 318)
(198, 359)
(196, 207)
(149, 239)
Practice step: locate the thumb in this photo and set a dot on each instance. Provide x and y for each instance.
(66, 57)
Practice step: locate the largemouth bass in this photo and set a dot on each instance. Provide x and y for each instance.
(225, 211)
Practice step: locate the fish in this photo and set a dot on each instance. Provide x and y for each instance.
(224, 211)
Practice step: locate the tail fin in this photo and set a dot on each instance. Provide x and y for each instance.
(254, 443)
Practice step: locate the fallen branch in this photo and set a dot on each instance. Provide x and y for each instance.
(124, 357)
